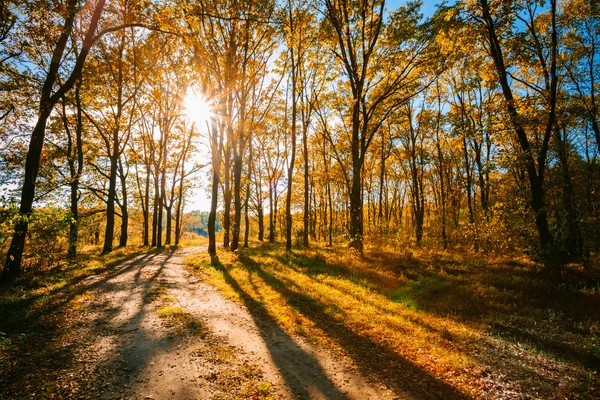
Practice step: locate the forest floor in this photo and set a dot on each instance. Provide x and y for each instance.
(315, 323)
(147, 329)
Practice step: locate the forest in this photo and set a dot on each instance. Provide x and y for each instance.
(438, 156)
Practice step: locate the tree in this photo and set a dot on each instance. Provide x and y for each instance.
(113, 116)
(380, 65)
(48, 99)
(535, 166)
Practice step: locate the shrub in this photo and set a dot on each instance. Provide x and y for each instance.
(46, 238)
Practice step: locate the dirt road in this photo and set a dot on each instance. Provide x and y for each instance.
(155, 332)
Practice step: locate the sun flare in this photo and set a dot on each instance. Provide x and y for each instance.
(197, 108)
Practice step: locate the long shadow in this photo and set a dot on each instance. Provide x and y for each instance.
(284, 351)
(319, 266)
(16, 314)
(374, 359)
(371, 302)
(448, 291)
(41, 358)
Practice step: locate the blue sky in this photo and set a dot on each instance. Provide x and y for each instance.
(427, 9)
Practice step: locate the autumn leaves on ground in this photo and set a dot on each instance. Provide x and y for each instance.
(414, 324)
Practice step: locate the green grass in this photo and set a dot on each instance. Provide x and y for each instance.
(175, 313)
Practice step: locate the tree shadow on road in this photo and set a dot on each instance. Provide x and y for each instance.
(373, 359)
(47, 356)
(302, 373)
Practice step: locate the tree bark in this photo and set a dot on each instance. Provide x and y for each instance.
(573, 235)
(227, 197)
(169, 227)
(216, 147)
(145, 209)
(76, 172)
(124, 207)
(109, 230)
(292, 155)
(271, 216)
(237, 201)
(306, 213)
(12, 266)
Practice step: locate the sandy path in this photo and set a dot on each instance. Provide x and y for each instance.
(144, 360)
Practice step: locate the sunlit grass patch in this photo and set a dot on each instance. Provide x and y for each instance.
(189, 240)
(171, 313)
(305, 299)
(80, 300)
(185, 322)
(159, 293)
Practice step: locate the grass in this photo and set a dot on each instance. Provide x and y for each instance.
(182, 320)
(469, 326)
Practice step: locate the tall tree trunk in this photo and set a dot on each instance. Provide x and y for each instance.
(74, 218)
(155, 207)
(440, 161)
(469, 181)
(276, 217)
(261, 223)
(381, 186)
(216, 147)
(169, 228)
(330, 214)
(12, 266)
(536, 176)
(246, 216)
(306, 215)
(146, 210)
(178, 221)
(356, 211)
(313, 214)
(292, 155)
(124, 207)
(356, 200)
(227, 198)
(76, 174)
(247, 197)
(482, 182)
(161, 200)
(260, 209)
(237, 201)
(271, 215)
(109, 230)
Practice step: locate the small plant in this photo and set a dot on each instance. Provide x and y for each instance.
(184, 321)
(169, 312)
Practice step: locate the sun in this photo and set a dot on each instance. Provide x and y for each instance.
(197, 108)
